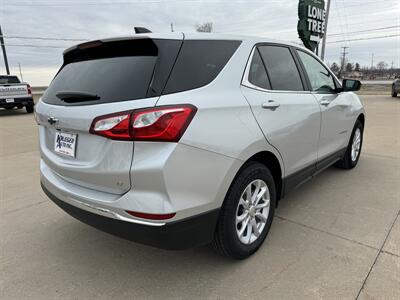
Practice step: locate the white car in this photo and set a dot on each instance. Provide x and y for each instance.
(179, 140)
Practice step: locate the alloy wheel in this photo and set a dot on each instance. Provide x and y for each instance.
(252, 211)
(356, 145)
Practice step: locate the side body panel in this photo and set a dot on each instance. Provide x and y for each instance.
(337, 121)
(292, 128)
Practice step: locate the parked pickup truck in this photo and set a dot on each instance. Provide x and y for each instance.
(14, 93)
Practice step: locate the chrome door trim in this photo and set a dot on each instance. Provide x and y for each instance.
(245, 80)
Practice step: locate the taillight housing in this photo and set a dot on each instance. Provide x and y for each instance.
(162, 124)
(29, 89)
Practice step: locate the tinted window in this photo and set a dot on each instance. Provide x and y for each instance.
(9, 79)
(320, 78)
(281, 68)
(257, 73)
(116, 71)
(199, 62)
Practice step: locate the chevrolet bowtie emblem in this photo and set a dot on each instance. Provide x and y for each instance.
(52, 121)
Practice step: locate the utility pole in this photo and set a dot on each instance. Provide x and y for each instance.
(343, 60)
(3, 47)
(391, 68)
(326, 29)
(20, 72)
(372, 61)
(172, 27)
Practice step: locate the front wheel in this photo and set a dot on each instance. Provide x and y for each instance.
(353, 151)
(394, 94)
(247, 212)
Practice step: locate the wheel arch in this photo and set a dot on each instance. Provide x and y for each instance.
(361, 118)
(269, 160)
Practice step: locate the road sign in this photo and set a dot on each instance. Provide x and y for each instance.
(311, 25)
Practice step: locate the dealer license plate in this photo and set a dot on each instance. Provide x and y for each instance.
(65, 143)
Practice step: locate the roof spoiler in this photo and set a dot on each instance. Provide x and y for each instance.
(141, 30)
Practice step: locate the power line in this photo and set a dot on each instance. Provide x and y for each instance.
(44, 38)
(367, 30)
(365, 39)
(332, 42)
(70, 3)
(83, 40)
(35, 46)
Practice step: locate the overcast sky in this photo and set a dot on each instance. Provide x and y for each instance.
(93, 19)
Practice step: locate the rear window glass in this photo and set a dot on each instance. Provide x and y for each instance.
(257, 73)
(9, 79)
(199, 62)
(281, 68)
(115, 71)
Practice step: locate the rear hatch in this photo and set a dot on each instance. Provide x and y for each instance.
(100, 78)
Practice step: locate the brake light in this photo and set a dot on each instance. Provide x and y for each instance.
(164, 123)
(151, 216)
(29, 89)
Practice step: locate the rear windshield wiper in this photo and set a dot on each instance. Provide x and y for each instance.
(74, 96)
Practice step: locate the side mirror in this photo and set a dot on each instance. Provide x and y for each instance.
(350, 85)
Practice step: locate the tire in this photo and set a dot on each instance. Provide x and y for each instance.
(226, 239)
(29, 109)
(394, 94)
(350, 159)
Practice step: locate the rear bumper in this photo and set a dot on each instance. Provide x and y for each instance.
(177, 235)
(28, 101)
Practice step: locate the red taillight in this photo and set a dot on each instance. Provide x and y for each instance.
(29, 89)
(151, 216)
(165, 123)
(114, 126)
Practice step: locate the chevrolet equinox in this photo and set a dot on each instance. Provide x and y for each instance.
(180, 140)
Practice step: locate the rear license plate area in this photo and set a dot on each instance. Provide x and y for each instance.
(65, 143)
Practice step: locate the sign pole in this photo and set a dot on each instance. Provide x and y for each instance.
(328, 6)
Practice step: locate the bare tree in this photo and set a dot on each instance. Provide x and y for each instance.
(204, 27)
(349, 67)
(381, 66)
(335, 68)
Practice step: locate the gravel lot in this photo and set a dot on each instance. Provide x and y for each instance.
(338, 236)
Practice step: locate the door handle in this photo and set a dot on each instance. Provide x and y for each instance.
(325, 102)
(270, 104)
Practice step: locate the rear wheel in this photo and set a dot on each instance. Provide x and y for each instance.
(29, 109)
(247, 212)
(394, 94)
(353, 151)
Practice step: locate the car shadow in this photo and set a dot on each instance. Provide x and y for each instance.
(13, 112)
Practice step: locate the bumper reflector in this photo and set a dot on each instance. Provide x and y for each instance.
(151, 216)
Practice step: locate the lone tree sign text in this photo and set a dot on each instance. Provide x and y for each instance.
(311, 25)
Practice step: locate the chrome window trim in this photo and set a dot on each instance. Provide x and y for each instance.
(247, 83)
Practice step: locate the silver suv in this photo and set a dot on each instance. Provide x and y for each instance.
(179, 140)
